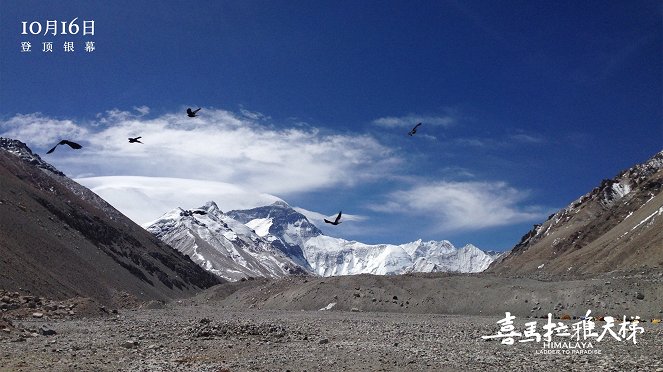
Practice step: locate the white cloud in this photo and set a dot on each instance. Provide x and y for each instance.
(410, 120)
(38, 130)
(318, 218)
(454, 206)
(527, 138)
(217, 146)
(143, 110)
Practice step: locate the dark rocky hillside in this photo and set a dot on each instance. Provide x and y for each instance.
(60, 240)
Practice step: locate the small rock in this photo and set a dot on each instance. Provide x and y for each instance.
(323, 341)
(639, 296)
(37, 315)
(46, 331)
(355, 310)
(131, 344)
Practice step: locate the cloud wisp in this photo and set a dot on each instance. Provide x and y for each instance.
(462, 206)
(408, 121)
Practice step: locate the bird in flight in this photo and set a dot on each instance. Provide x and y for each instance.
(189, 212)
(135, 140)
(414, 130)
(73, 145)
(336, 221)
(192, 113)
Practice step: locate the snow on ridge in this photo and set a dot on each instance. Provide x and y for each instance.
(330, 256)
(260, 226)
(648, 218)
(621, 189)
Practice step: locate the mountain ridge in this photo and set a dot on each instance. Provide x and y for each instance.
(292, 234)
(612, 227)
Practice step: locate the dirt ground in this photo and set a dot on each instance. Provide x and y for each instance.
(413, 323)
(205, 338)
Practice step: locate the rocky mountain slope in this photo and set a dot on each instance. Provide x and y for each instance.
(616, 226)
(221, 244)
(60, 240)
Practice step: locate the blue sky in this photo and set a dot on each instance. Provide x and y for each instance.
(526, 106)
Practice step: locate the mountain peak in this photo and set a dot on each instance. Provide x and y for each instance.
(211, 207)
(280, 203)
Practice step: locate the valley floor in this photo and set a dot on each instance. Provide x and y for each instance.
(208, 338)
(421, 322)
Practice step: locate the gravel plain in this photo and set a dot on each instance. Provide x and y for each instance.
(404, 323)
(201, 337)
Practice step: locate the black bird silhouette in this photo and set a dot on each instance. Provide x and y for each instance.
(135, 140)
(192, 113)
(414, 130)
(336, 221)
(73, 145)
(189, 212)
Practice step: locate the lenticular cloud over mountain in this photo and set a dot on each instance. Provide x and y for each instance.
(143, 199)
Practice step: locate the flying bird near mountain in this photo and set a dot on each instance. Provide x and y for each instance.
(73, 145)
(336, 221)
(189, 212)
(414, 130)
(192, 113)
(135, 140)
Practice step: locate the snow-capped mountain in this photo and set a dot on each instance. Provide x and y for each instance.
(285, 228)
(292, 232)
(276, 240)
(615, 226)
(221, 244)
(333, 256)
